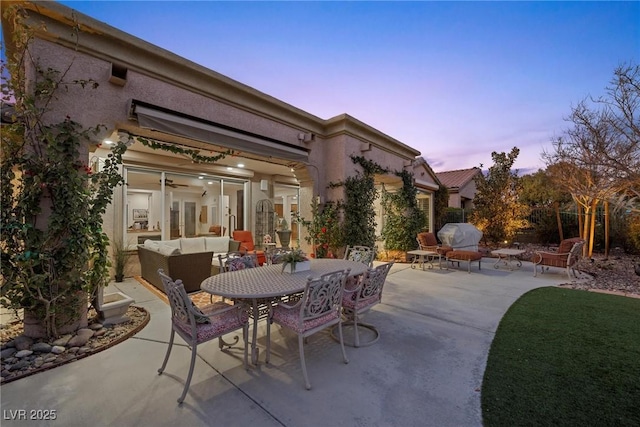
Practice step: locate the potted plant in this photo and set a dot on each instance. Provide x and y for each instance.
(294, 261)
(284, 233)
(120, 260)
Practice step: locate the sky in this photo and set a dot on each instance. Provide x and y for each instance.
(454, 80)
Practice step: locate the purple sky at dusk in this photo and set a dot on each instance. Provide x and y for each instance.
(455, 80)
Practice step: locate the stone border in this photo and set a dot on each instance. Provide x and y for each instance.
(88, 353)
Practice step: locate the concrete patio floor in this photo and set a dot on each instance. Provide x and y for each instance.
(436, 328)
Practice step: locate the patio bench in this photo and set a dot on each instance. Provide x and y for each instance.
(469, 256)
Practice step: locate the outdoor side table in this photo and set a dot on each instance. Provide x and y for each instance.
(508, 257)
(423, 257)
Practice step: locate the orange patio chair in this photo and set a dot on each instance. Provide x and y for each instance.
(247, 244)
(567, 256)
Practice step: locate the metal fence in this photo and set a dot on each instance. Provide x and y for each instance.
(542, 225)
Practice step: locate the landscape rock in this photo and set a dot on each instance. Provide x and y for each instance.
(22, 343)
(41, 347)
(62, 340)
(57, 349)
(7, 352)
(81, 338)
(23, 353)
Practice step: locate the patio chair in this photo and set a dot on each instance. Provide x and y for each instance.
(567, 256)
(198, 325)
(274, 255)
(235, 260)
(428, 242)
(217, 230)
(363, 254)
(247, 244)
(361, 298)
(318, 309)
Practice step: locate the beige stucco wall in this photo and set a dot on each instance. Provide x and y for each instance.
(161, 78)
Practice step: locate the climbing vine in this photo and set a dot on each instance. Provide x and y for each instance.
(359, 223)
(403, 219)
(193, 154)
(53, 250)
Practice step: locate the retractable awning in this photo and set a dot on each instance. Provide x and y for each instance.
(175, 123)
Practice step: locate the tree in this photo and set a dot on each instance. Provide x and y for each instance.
(598, 158)
(440, 205)
(498, 212)
(539, 191)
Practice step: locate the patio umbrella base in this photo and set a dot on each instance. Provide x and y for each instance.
(366, 334)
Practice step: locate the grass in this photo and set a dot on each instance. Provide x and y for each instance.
(562, 357)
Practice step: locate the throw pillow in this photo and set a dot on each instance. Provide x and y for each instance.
(199, 315)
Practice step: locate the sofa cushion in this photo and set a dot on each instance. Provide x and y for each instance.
(192, 245)
(168, 250)
(217, 245)
(152, 245)
(173, 243)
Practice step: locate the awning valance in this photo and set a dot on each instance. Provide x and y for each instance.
(174, 123)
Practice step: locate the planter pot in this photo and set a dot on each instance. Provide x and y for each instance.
(119, 278)
(297, 267)
(285, 238)
(113, 308)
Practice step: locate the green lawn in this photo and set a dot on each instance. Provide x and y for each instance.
(563, 357)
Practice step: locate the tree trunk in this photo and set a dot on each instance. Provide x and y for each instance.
(585, 229)
(36, 327)
(580, 220)
(606, 229)
(559, 220)
(592, 225)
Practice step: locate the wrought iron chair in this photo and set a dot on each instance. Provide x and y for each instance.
(197, 326)
(361, 298)
(363, 254)
(567, 256)
(318, 309)
(274, 255)
(247, 245)
(428, 242)
(235, 260)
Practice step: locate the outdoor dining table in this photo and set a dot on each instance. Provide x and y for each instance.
(260, 286)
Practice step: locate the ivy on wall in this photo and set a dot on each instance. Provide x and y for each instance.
(191, 153)
(359, 224)
(403, 219)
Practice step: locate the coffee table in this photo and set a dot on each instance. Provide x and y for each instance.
(508, 258)
(423, 257)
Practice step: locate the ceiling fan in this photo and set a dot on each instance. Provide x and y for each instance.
(169, 183)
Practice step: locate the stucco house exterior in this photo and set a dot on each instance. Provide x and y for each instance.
(461, 185)
(283, 157)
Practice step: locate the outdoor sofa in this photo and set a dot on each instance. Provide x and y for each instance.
(188, 259)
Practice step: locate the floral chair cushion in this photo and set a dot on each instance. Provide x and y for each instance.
(291, 319)
(220, 324)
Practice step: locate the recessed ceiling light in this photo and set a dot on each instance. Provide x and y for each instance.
(201, 177)
(240, 165)
(210, 182)
(229, 168)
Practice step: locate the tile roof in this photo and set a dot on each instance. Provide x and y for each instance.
(457, 178)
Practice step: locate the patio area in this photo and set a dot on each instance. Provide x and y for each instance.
(436, 328)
